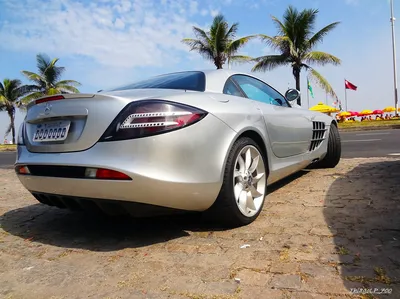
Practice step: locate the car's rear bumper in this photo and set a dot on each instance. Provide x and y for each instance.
(180, 170)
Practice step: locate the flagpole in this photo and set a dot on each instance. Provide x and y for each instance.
(308, 95)
(345, 93)
(392, 19)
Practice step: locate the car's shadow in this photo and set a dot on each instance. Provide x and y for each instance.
(362, 209)
(62, 228)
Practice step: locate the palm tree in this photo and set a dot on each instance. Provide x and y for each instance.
(295, 43)
(46, 81)
(11, 92)
(218, 44)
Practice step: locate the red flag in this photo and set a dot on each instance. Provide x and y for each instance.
(349, 85)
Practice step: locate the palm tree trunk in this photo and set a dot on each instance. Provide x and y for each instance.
(218, 63)
(296, 74)
(12, 125)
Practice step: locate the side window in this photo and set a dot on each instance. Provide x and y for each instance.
(231, 89)
(259, 91)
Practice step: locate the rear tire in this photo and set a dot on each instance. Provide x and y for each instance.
(244, 188)
(334, 151)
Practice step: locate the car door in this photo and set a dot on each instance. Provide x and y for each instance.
(289, 129)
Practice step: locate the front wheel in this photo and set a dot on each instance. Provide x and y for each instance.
(334, 151)
(244, 188)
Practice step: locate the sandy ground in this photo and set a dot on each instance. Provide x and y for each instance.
(322, 234)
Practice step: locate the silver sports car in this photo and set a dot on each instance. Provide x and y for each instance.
(186, 141)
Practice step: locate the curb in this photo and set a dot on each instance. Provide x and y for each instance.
(367, 128)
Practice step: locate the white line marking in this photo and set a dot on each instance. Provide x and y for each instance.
(361, 140)
(394, 154)
(366, 134)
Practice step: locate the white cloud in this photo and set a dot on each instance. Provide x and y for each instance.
(214, 12)
(204, 12)
(126, 33)
(119, 24)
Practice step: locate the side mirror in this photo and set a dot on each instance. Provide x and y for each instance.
(292, 95)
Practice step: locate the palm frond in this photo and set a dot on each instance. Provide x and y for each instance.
(48, 70)
(282, 44)
(241, 59)
(52, 91)
(269, 62)
(68, 82)
(218, 19)
(322, 82)
(25, 89)
(290, 18)
(67, 88)
(321, 58)
(9, 92)
(232, 31)
(319, 36)
(202, 48)
(201, 34)
(235, 45)
(42, 62)
(282, 30)
(4, 103)
(52, 73)
(306, 23)
(30, 97)
(34, 77)
(219, 42)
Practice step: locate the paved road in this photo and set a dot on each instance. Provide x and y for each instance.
(7, 159)
(366, 144)
(362, 144)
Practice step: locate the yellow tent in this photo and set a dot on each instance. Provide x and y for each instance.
(321, 107)
(389, 109)
(344, 114)
(366, 112)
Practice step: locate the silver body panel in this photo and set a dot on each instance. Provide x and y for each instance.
(182, 169)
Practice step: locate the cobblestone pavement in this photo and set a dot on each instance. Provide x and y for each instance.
(322, 234)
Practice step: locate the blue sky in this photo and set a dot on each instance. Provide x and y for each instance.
(105, 43)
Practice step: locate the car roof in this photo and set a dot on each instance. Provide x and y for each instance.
(215, 79)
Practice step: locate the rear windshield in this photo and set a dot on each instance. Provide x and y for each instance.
(184, 80)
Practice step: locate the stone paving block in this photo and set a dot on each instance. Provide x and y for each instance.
(253, 278)
(317, 270)
(356, 271)
(286, 281)
(284, 268)
(331, 285)
(250, 262)
(254, 292)
(303, 256)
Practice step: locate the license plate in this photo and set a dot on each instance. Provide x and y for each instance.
(52, 131)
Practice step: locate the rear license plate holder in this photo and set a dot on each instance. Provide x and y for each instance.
(51, 131)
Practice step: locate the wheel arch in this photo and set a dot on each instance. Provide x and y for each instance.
(257, 137)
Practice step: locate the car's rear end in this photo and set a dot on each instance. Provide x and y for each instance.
(83, 150)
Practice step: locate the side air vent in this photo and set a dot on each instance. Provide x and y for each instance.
(318, 135)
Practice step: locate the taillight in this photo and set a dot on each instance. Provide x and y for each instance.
(147, 118)
(105, 174)
(22, 169)
(49, 99)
